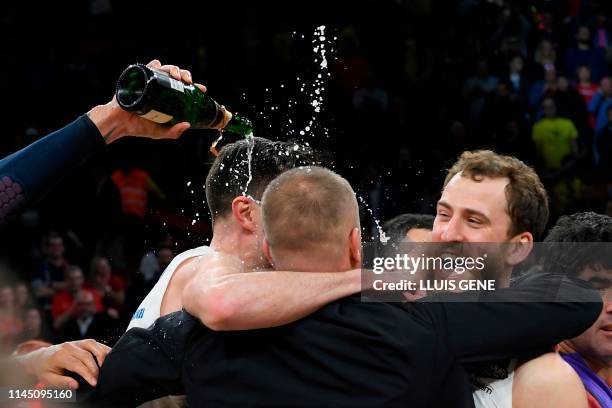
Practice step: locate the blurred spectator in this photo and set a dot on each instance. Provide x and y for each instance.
(601, 38)
(585, 87)
(475, 90)
(10, 323)
(512, 31)
(570, 105)
(109, 287)
(23, 299)
(554, 137)
(584, 54)
(49, 278)
(149, 264)
(351, 68)
(556, 143)
(87, 323)
(600, 103)
(517, 78)
(503, 112)
(541, 89)
(545, 56)
(63, 307)
(34, 327)
(134, 186)
(547, 29)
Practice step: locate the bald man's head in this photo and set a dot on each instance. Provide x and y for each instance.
(309, 209)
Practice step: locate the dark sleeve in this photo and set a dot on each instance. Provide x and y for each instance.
(145, 364)
(25, 176)
(512, 322)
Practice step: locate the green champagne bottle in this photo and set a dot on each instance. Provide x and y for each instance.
(156, 96)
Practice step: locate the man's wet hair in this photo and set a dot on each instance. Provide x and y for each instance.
(578, 241)
(397, 228)
(229, 173)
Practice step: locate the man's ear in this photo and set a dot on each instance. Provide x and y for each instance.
(242, 211)
(266, 251)
(355, 248)
(519, 248)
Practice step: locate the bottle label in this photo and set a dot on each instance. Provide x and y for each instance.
(166, 79)
(177, 85)
(157, 117)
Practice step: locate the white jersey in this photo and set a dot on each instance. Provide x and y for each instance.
(150, 308)
(495, 393)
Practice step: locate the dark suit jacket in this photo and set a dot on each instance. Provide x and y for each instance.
(347, 354)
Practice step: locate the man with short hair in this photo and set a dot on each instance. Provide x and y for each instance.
(492, 198)
(233, 190)
(410, 227)
(350, 353)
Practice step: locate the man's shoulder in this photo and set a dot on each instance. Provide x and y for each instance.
(171, 328)
(546, 375)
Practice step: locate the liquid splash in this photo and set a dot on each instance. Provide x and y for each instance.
(382, 237)
(251, 141)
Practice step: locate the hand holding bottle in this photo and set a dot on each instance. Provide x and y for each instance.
(115, 123)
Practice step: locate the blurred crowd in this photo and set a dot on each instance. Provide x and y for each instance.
(412, 85)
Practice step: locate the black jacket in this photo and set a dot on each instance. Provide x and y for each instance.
(347, 354)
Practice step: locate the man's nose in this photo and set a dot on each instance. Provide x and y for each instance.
(453, 231)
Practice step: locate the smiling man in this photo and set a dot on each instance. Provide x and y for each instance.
(490, 198)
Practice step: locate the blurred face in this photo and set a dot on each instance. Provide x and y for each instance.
(562, 84)
(85, 305)
(516, 64)
(55, 248)
(549, 108)
(7, 297)
(33, 320)
(546, 48)
(21, 294)
(74, 280)
(550, 75)
(583, 35)
(584, 74)
(471, 211)
(102, 272)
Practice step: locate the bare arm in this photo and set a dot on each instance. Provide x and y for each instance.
(547, 381)
(225, 297)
